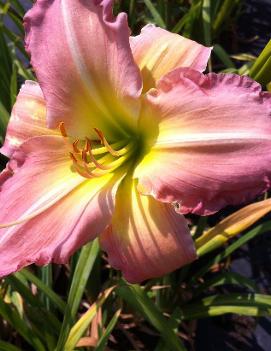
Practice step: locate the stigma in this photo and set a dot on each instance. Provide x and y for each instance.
(95, 158)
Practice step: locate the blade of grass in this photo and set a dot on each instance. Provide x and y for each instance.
(111, 325)
(261, 68)
(82, 324)
(14, 319)
(47, 279)
(13, 84)
(5, 346)
(54, 298)
(206, 19)
(187, 19)
(24, 291)
(5, 72)
(244, 304)
(138, 299)
(226, 278)
(16, 39)
(155, 14)
(4, 118)
(231, 226)
(223, 14)
(260, 229)
(223, 56)
(83, 268)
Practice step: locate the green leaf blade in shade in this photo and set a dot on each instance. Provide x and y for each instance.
(261, 69)
(155, 14)
(108, 330)
(5, 346)
(231, 278)
(223, 15)
(83, 323)
(260, 229)
(14, 319)
(244, 304)
(5, 71)
(138, 299)
(47, 279)
(54, 298)
(83, 268)
(223, 56)
(206, 20)
(4, 118)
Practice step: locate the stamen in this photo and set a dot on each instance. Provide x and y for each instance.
(84, 157)
(75, 146)
(105, 143)
(82, 173)
(62, 129)
(92, 158)
(104, 150)
(74, 159)
(90, 173)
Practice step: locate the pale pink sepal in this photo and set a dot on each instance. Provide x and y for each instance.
(84, 64)
(69, 211)
(212, 146)
(157, 52)
(27, 118)
(147, 238)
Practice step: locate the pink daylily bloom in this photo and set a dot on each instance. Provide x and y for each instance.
(120, 137)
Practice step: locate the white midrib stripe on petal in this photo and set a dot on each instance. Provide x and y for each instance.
(77, 56)
(199, 138)
(81, 65)
(44, 203)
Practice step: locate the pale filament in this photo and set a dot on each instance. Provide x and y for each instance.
(84, 160)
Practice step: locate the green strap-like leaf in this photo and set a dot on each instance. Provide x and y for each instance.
(14, 319)
(206, 19)
(83, 323)
(260, 229)
(83, 268)
(226, 278)
(244, 304)
(104, 338)
(5, 346)
(138, 299)
(261, 70)
(155, 14)
(54, 298)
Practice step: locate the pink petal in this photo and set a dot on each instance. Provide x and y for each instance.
(84, 64)
(27, 118)
(213, 141)
(69, 210)
(157, 52)
(147, 238)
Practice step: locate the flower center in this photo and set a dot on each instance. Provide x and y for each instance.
(95, 158)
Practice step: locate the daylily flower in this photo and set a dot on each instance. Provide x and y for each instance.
(136, 136)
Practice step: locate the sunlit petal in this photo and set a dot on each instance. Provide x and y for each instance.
(157, 52)
(64, 210)
(147, 238)
(83, 61)
(211, 138)
(27, 118)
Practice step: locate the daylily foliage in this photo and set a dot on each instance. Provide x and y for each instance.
(120, 137)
